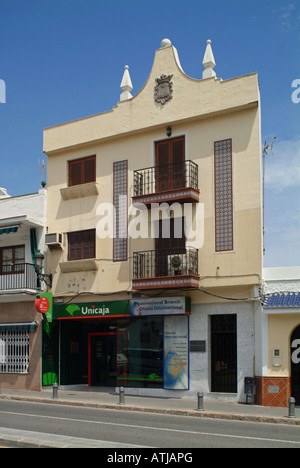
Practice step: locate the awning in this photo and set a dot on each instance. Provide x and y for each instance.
(282, 300)
(17, 326)
(8, 230)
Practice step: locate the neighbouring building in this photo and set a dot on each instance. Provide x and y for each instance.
(22, 234)
(278, 361)
(154, 235)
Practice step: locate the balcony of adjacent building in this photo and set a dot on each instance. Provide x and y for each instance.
(174, 182)
(18, 278)
(163, 269)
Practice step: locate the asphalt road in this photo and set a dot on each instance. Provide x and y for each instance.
(70, 426)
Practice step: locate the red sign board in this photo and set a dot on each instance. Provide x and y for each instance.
(42, 305)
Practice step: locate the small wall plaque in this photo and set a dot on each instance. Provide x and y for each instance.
(273, 389)
(197, 346)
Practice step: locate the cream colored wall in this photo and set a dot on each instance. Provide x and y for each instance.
(191, 98)
(204, 111)
(280, 329)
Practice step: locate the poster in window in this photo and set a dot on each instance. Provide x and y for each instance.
(176, 353)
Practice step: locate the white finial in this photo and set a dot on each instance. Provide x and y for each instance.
(3, 193)
(126, 85)
(166, 43)
(208, 62)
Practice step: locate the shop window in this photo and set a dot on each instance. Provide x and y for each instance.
(82, 171)
(141, 357)
(81, 244)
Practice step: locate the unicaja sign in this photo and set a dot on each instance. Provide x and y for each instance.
(2, 92)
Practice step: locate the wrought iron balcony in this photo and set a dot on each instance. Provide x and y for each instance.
(154, 269)
(170, 182)
(18, 277)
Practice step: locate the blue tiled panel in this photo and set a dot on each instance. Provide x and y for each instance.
(280, 300)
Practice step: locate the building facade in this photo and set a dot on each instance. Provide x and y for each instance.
(154, 223)
(22, 234)
(278, 361)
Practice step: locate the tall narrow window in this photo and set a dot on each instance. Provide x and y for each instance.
(82, 171)
(223, 195)
(120, 199)
(170, 164)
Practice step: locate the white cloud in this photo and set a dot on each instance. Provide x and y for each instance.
(282, 166)
(287, 16)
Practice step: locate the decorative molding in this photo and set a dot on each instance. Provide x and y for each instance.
(163, 90)
(175, 195)
(152, 283)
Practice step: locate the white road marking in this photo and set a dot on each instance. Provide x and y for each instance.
(232, 436)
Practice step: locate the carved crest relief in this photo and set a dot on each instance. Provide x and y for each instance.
(163, 90)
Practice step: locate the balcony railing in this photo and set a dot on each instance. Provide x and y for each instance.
(162, 263)
(176, 177)
(18, 276)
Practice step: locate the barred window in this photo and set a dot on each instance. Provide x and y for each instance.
(223, 195)
(120, 175)
(14, 352)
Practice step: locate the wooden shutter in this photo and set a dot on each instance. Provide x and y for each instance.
(82, 171)
(170, 164)
(74, 173)
(89, 170)
(81, 245)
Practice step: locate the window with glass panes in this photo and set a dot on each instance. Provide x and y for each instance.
(12, 259)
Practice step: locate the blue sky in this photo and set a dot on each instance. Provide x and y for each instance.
(63, 60)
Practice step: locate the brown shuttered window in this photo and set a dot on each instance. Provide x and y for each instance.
(223, 196)
(82, 171)
(81, 244)
(120, 247)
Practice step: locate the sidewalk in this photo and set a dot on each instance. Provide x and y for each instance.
(108, 399)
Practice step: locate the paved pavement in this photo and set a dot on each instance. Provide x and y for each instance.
(108, 399)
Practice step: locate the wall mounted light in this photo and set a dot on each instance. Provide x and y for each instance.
(169, 131)
(38, 261)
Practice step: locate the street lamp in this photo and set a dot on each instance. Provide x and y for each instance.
(38, 261)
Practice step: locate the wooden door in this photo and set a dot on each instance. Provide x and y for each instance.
(170, 164)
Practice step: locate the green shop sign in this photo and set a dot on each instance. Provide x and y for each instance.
(89, 310)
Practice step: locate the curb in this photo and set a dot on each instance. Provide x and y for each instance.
(177, 412)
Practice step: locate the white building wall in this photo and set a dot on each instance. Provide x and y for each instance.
(200, 362)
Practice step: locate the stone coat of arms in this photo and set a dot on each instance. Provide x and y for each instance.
(163, 90)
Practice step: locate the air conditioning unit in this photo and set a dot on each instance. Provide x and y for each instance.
(174, 265)
(54, 240)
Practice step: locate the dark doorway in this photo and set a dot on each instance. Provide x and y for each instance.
(223, 353)
(103, 359)
(295, 365)
(169, 247)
